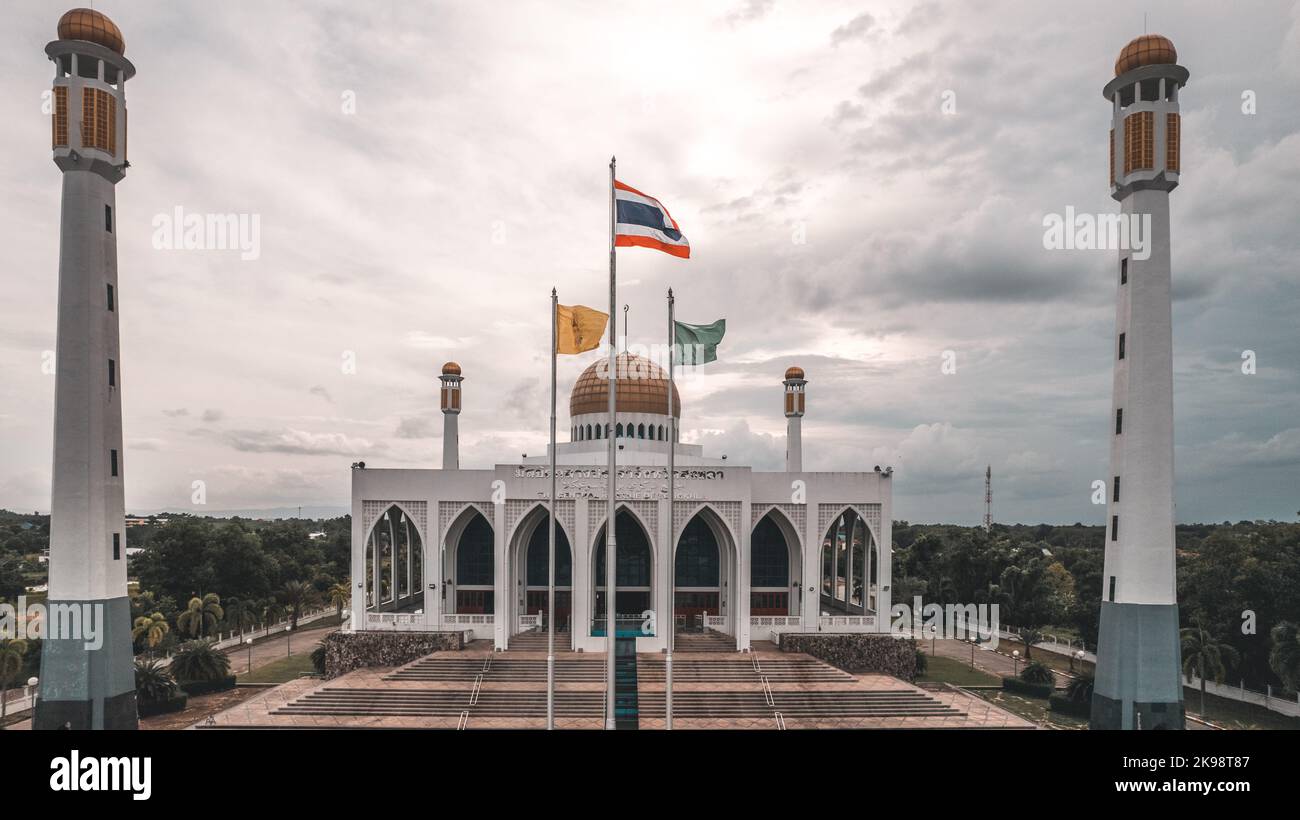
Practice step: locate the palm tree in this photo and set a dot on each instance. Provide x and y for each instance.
(339, 596)
(201, 615)
(198, 661)
(295, 595)
(1079, 689)
(241, 615)
(1284, 658)
(153, 681)
(271, 612)
(11, 666)
(1204, 655)
(151, 628)
(1029, 636)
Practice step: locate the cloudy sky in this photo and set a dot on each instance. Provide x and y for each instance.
(423, 173)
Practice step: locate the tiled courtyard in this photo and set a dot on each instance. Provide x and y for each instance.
(366, 698)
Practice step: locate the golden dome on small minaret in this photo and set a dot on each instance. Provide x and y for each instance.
(1149, 49)
(794, 373)
(451, 369)
(93, 27)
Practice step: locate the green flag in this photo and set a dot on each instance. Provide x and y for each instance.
(699, 343)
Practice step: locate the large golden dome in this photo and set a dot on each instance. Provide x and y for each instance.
(642, 388)
(93, 27)
(1149, 49)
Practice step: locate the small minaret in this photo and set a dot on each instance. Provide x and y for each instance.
(88, 682)
(1138, 682)
(794, 406)
(451, 379)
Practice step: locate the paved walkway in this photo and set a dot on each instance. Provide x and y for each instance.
(277, 647)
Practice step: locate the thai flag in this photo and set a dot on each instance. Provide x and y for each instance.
(643, 221)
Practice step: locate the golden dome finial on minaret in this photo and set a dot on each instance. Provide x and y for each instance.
(92, 27)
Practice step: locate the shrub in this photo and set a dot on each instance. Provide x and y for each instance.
(153, 682)
(198, 661)
(1079, 690)
(205, 687)
(1067, 706)
(318, 658)
(1023, 687)
(1037, 672)
(149, 708)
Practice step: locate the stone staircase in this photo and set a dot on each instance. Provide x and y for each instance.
(347, 702)
(741, 670)
(795, 705)
(707, 641)
(500, 668)
(535, 640)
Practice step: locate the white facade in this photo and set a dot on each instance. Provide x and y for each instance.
(731, 499)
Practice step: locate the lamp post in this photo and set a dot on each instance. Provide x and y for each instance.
(934, 633)
(1078, 655)
(249, 642)
(32, 682)
(973, 641)
(288, 634)
(1015, 661)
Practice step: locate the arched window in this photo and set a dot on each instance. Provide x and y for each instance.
(588, 431)
(618, 431)
(770, 564)
(697, 555)
(474, 564)
(538, 563)
(640, 431)
(661, 432)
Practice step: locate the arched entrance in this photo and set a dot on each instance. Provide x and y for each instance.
(394, 563)
(704, 574)
(475, 568)
(634, 577)
(697, 584)
(849, 566)
(537, 573)
(773, 570)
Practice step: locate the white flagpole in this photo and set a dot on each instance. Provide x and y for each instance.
(672, 547)
(611, 494)
(550, 513)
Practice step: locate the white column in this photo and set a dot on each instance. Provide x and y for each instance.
(501, 579)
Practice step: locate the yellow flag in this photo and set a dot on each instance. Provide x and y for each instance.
(578, 328)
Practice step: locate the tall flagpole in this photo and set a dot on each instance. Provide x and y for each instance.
(672, 547)
(550, 512)
(611, 494)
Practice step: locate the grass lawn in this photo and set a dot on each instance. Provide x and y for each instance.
(1233, 714)
(281, 671)
(948, 670)
(1060, 663)
(1032, 709)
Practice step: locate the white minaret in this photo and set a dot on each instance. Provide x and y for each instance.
(451, 380)
(794, 406)
(88, 681)
(1138, 683)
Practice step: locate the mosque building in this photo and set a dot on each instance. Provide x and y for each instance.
(756, 552)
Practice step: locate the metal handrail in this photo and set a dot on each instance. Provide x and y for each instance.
(487, 665)
(463, 722)
(780, 721)
(767, 691)
(757, 667)
(473, 695)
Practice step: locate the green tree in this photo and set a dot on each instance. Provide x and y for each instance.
(153, 681)
(295, 596)
(1205, 656)
(1284, 658)
(198, 661)
(241, 615)
(150, 630)
(201, 616)
(12, 652)
(340, 596)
